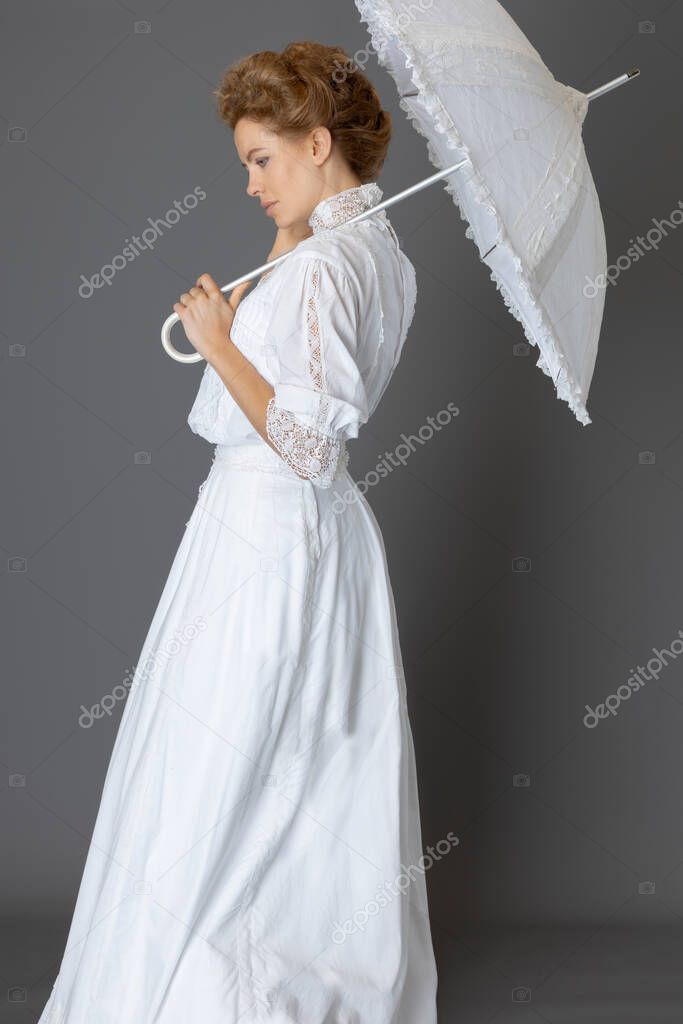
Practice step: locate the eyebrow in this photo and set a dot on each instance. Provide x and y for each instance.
(255, 149)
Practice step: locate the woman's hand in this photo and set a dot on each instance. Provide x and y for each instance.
(207, 316)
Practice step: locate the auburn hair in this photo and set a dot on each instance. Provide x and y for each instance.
(307, 85)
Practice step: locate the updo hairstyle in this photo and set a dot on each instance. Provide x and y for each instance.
(306, 85)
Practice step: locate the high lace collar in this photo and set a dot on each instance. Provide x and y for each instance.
(340, 207)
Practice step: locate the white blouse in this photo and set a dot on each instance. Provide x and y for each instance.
(326, 329)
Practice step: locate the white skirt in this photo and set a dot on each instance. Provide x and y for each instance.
(256, 855)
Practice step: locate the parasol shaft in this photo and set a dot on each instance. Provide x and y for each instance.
(614, 84)
(411, 190)
(193, 357)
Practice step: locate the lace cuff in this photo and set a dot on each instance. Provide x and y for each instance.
(310, 454)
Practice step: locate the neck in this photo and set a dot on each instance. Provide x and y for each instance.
(339, 185)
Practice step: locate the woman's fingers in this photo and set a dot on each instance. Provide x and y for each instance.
(237, 293)
(207, 283)
(193, 293)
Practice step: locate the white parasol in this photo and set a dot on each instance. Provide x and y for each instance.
(475, 87)
(508, 136)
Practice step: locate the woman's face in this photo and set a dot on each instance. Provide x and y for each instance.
(284, 173)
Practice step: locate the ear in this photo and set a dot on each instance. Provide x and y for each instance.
(321, 143)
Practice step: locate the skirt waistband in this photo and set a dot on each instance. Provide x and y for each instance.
(260, 456)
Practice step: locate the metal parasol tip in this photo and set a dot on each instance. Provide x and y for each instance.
(633, 73)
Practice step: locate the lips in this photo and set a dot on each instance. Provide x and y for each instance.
(268, 206)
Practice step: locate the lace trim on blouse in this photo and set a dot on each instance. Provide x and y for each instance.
(310, 453)
(346, 204)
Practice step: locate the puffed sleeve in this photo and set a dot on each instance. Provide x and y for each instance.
(320, 397)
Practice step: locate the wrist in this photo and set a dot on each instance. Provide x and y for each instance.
(219, 348)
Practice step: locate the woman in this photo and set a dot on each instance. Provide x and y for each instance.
(256, 855)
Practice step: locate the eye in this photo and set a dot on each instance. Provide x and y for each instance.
(258, 161)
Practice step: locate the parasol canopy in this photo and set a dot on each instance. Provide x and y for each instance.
(475, 87)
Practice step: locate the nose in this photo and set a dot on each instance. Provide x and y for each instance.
(253, 188)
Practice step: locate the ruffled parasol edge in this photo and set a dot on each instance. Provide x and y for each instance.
(551, 360)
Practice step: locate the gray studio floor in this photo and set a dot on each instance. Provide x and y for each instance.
(514, 976)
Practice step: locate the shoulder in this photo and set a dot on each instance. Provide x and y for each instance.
(345, 257)
(363, 260)
(339, 257)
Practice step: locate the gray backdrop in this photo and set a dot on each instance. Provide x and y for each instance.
(565, 892)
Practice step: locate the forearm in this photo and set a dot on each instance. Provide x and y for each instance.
(250, 390)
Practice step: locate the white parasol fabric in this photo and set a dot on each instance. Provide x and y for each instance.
(476, 89)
